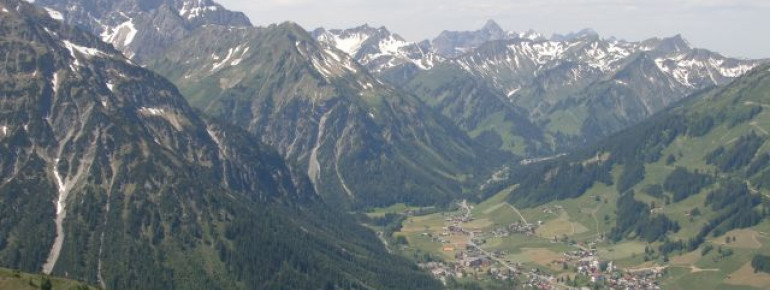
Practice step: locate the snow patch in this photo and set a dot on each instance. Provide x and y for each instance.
(350, 44)
(214, 137)
(736, 71)
(53, 13)
(216, 140)
(392, 45)
(5, 130)
(529, 35)
(191, 10)
(5, 10)
(231, 59)
(55, 82)
(87, 51)
(152, 111)
(330, 64)
(390, 50)
(513, 92)
(320, 68)
(238, 61)
(122, 35)
(685, 68)
(218, 65)
(547, 51)
(110, 86)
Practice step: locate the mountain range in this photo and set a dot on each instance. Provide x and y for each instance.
(172, 144)
(110, 177)
(534, 96)
(142, 28)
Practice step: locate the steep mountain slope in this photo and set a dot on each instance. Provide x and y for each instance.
(381, 52)
(107, 175)
(364, 143)
(142, 28)
(694, 172)
(580, 87)
(477, 108)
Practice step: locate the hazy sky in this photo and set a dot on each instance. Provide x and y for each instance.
(737, 28)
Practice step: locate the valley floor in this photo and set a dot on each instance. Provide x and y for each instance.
(562, 244)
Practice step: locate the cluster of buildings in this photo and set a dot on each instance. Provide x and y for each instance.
(583, 262)
(638, 279)
(470, 261)
(523, 228)
(515, 228)
(587, 264)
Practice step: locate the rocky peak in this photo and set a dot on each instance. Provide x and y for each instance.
(673, 44)
(451, 44)
(492, 28)
(141, 28)
(380, 50)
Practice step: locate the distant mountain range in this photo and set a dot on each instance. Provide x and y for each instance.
(582, 89)
(574, 88)
(517, 91)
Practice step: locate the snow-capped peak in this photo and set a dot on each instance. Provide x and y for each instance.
(528, 35)
(195, 8)
(378, 48)
(510, 64)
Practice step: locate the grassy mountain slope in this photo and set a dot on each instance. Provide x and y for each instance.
(479, 109)
(686, 190)
(10, 279)
(682, 181)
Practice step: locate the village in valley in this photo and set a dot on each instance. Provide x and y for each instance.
(495, 242)
(562, 244)
(470, 258)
